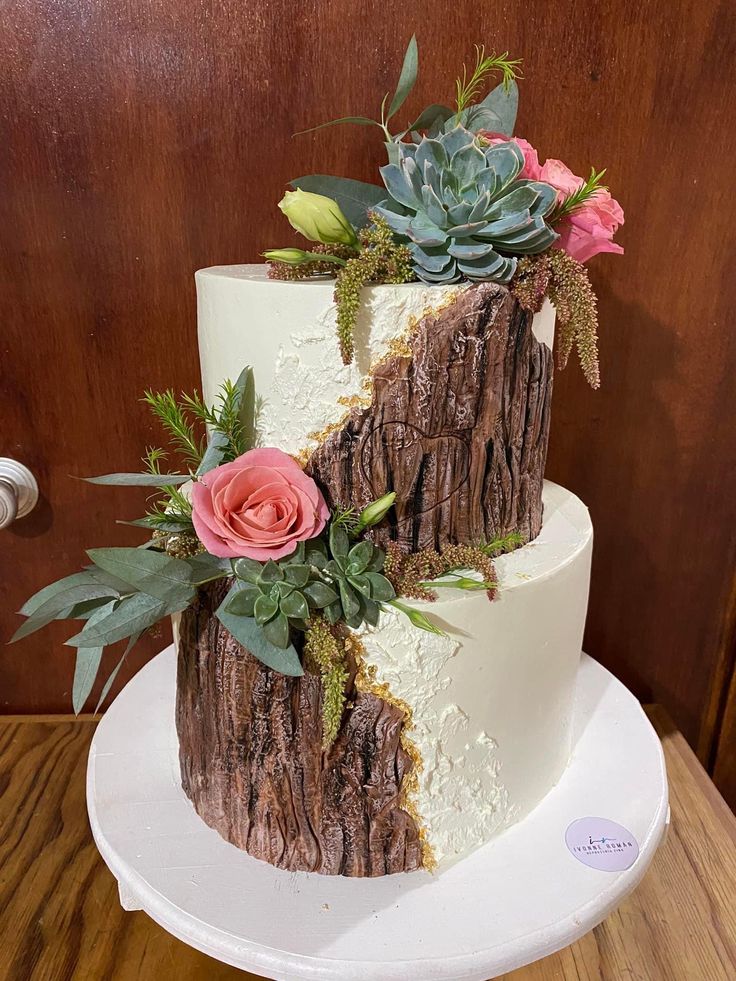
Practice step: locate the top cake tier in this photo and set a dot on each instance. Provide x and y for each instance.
(287, 333)
(446, 401)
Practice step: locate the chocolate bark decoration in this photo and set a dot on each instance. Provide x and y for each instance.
(250, 751)
(458, 428)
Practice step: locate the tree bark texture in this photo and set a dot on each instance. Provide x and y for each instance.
(252, 763)
(457, 427)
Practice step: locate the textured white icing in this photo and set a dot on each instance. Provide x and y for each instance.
(492, 701)
(287, 333)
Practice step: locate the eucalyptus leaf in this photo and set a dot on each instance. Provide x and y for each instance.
(357, 120)
(246, 386)
(132, 615)
(113, 674)
(140, 479)
(88, 663)
(85, 671)
(206, 568)
(172, 526)
(84, 610)
(503, 102)
(217, 447)
(407, 78)
(247, 632)
(59, 603)
(355, 198)
(155, 573)
(43, 595)
(429, 116)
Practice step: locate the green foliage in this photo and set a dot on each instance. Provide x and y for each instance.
(122, 594)
(462, 209)
(180, 428)
(152, 479)
(247, 632)
(573, 202)
(277, 595)
(565, 281)
(496, 112)
(148, 571)
(467, 88)
(204, 437)
(354, 573)
(380, 260)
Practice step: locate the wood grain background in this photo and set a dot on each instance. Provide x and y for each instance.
(140, 141)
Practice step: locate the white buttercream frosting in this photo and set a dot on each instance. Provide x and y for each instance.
(492, 701)
(287, 331)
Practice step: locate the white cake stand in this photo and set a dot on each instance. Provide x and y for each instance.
(519, 898)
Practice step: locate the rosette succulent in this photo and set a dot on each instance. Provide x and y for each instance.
(462, 210)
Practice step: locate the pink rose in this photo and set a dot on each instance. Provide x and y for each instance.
(559, 175)
(591, 227)
(530, 170)
(259, 506)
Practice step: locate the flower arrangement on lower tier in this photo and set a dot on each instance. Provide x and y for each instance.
(301, 577)
(462, 200)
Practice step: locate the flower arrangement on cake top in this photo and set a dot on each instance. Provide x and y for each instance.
(462, 199)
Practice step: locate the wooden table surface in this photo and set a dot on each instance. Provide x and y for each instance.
(60, 917)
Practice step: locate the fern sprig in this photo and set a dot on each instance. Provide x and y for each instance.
(467, 88)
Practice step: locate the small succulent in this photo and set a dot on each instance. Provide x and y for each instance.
(354, 572)
(339, 578)
(462, 208)
(279, 595)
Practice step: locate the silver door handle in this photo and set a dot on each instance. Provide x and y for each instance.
(18, 491)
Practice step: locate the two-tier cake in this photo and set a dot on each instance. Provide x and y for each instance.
(379, 604)
(446, 738)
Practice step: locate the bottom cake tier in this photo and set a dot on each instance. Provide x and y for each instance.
(445, 739)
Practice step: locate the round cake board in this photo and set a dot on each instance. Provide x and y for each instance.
(519, 898)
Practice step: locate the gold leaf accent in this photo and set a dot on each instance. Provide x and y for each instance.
(366, 680)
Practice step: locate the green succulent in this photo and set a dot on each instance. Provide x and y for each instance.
(462, 209)
(354, 573)
(279, 595)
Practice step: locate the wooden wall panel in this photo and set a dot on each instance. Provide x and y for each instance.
(141, 141)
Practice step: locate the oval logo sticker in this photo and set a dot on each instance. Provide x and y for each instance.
(602, 844)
